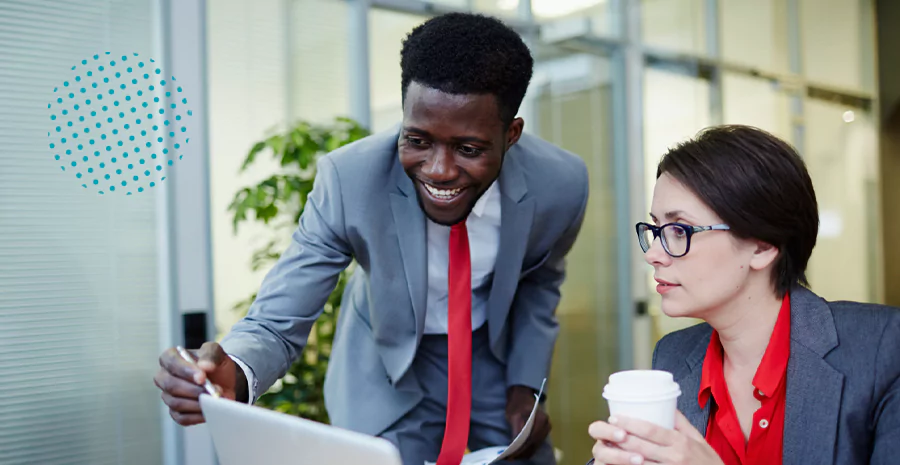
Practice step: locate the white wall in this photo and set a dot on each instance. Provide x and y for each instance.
(270, 62)
(247, 70)
(321, 60)
(387, 30)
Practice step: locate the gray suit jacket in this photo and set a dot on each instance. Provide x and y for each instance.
(843, 381)
(364, 207)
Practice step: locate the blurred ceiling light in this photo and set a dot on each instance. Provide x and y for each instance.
(831, 224)
(507, 4)
(849, 116)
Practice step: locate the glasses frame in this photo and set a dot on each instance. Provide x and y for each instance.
(690, 230)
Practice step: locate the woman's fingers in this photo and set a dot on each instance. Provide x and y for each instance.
(645, 430)
(609, 454)
(652, 453)
(606, 450)
(603, 431)
(684, 425)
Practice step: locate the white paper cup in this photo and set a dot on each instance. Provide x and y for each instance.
(649, 395)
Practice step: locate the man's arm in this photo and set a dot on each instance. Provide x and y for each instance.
(533, 326)
(293, 294)
(533, 331)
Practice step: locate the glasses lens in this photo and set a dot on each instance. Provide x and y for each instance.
(645, 236)
(675, 239)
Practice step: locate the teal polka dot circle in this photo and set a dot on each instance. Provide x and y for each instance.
(143, 96)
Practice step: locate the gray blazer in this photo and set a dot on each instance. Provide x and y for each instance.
(843, 380)
(364, 207)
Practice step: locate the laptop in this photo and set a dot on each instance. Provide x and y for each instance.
(243, 434)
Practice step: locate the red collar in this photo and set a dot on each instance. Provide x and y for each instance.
(771, 369)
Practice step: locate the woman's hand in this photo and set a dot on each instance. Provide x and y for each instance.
(629, 441)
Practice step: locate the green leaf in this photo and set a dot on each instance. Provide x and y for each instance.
(266, 213)
(276, 143)
(251, 157)
(239, 205)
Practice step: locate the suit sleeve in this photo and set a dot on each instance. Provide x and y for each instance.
(293, 293)
(533, 325)
(886, 446)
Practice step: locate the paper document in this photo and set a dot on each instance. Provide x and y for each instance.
(490, 455)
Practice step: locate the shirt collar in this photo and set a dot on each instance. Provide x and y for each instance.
(712, 369)
(771, 369)
(774, 362)
(482, 203)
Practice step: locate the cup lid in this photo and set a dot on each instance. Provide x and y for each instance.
(643, 385)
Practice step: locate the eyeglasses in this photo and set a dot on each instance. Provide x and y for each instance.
(675, 237)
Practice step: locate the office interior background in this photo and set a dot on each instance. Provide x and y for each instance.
(92, 288)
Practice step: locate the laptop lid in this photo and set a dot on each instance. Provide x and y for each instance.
(243, 434)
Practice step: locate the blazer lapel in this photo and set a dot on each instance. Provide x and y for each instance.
(409, 222)
(814, 388)
(516, 213)
(690, 387)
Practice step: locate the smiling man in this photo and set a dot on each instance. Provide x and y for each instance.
(460, 224)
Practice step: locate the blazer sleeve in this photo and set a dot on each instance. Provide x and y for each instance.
(533, 325)
(886, 446)
(293, 293)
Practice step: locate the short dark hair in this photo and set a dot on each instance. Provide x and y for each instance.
(461, 53)
(759, 186)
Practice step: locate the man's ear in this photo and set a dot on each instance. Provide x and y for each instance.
(765, 255)
(514, 132)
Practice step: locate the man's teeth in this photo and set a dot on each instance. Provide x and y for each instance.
(442, 193)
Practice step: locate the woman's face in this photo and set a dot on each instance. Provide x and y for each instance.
(718, 266)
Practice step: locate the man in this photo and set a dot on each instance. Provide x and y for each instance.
(460, 225)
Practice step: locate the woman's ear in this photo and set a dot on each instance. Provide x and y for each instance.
(764, 256)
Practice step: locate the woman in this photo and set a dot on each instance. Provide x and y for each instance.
(776, 374)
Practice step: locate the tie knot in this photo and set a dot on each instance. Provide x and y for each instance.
(461, 226)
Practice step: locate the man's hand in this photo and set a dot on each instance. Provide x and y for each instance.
(182, 382)
(519, 403)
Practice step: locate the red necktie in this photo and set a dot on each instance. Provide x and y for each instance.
(459, 350)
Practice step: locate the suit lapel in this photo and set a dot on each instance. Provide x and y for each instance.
(409, 222)
(814, 388)
(690, 387)
(516, 213)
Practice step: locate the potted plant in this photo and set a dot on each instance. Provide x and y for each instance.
(278, 201)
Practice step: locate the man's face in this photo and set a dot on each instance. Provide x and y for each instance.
(452, 146)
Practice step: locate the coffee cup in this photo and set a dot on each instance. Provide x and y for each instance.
(649, 395)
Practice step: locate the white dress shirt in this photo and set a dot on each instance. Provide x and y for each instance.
(483, 226)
